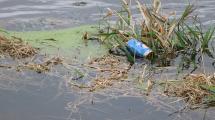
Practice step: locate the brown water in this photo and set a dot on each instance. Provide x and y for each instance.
(32, 96)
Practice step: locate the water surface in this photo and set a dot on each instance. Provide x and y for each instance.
(31, 96)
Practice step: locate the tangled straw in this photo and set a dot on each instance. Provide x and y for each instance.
(16, 48)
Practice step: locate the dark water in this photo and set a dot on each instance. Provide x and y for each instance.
(49, 14)
(29, 96)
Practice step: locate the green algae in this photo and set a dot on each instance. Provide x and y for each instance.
(64, 42)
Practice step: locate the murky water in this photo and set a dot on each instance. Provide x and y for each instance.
(49, 14)
(29, 96)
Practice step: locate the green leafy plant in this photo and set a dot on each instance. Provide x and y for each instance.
(192, 42)
(167, 36)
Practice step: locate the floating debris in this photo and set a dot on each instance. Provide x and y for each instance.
(16, 48)
(109, 69)
(81, 3)
(42, 67)
(192, 88)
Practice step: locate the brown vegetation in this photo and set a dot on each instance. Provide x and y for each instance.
(42, 67)
(16, 48)
(110, 69)
(191, 88)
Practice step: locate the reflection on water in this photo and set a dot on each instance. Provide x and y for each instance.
(29, 96)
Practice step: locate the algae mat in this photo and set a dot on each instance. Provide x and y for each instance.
(64, 42)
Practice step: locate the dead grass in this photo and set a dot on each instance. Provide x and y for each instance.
(16, 47)
(42, 67)
(109, 69)
(190, 88)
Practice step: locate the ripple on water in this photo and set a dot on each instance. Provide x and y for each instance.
(34, 102)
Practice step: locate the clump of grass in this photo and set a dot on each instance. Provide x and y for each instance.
(192, 42)
(16, 47)
(193, 89)
(155, 30)
(167, 36)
